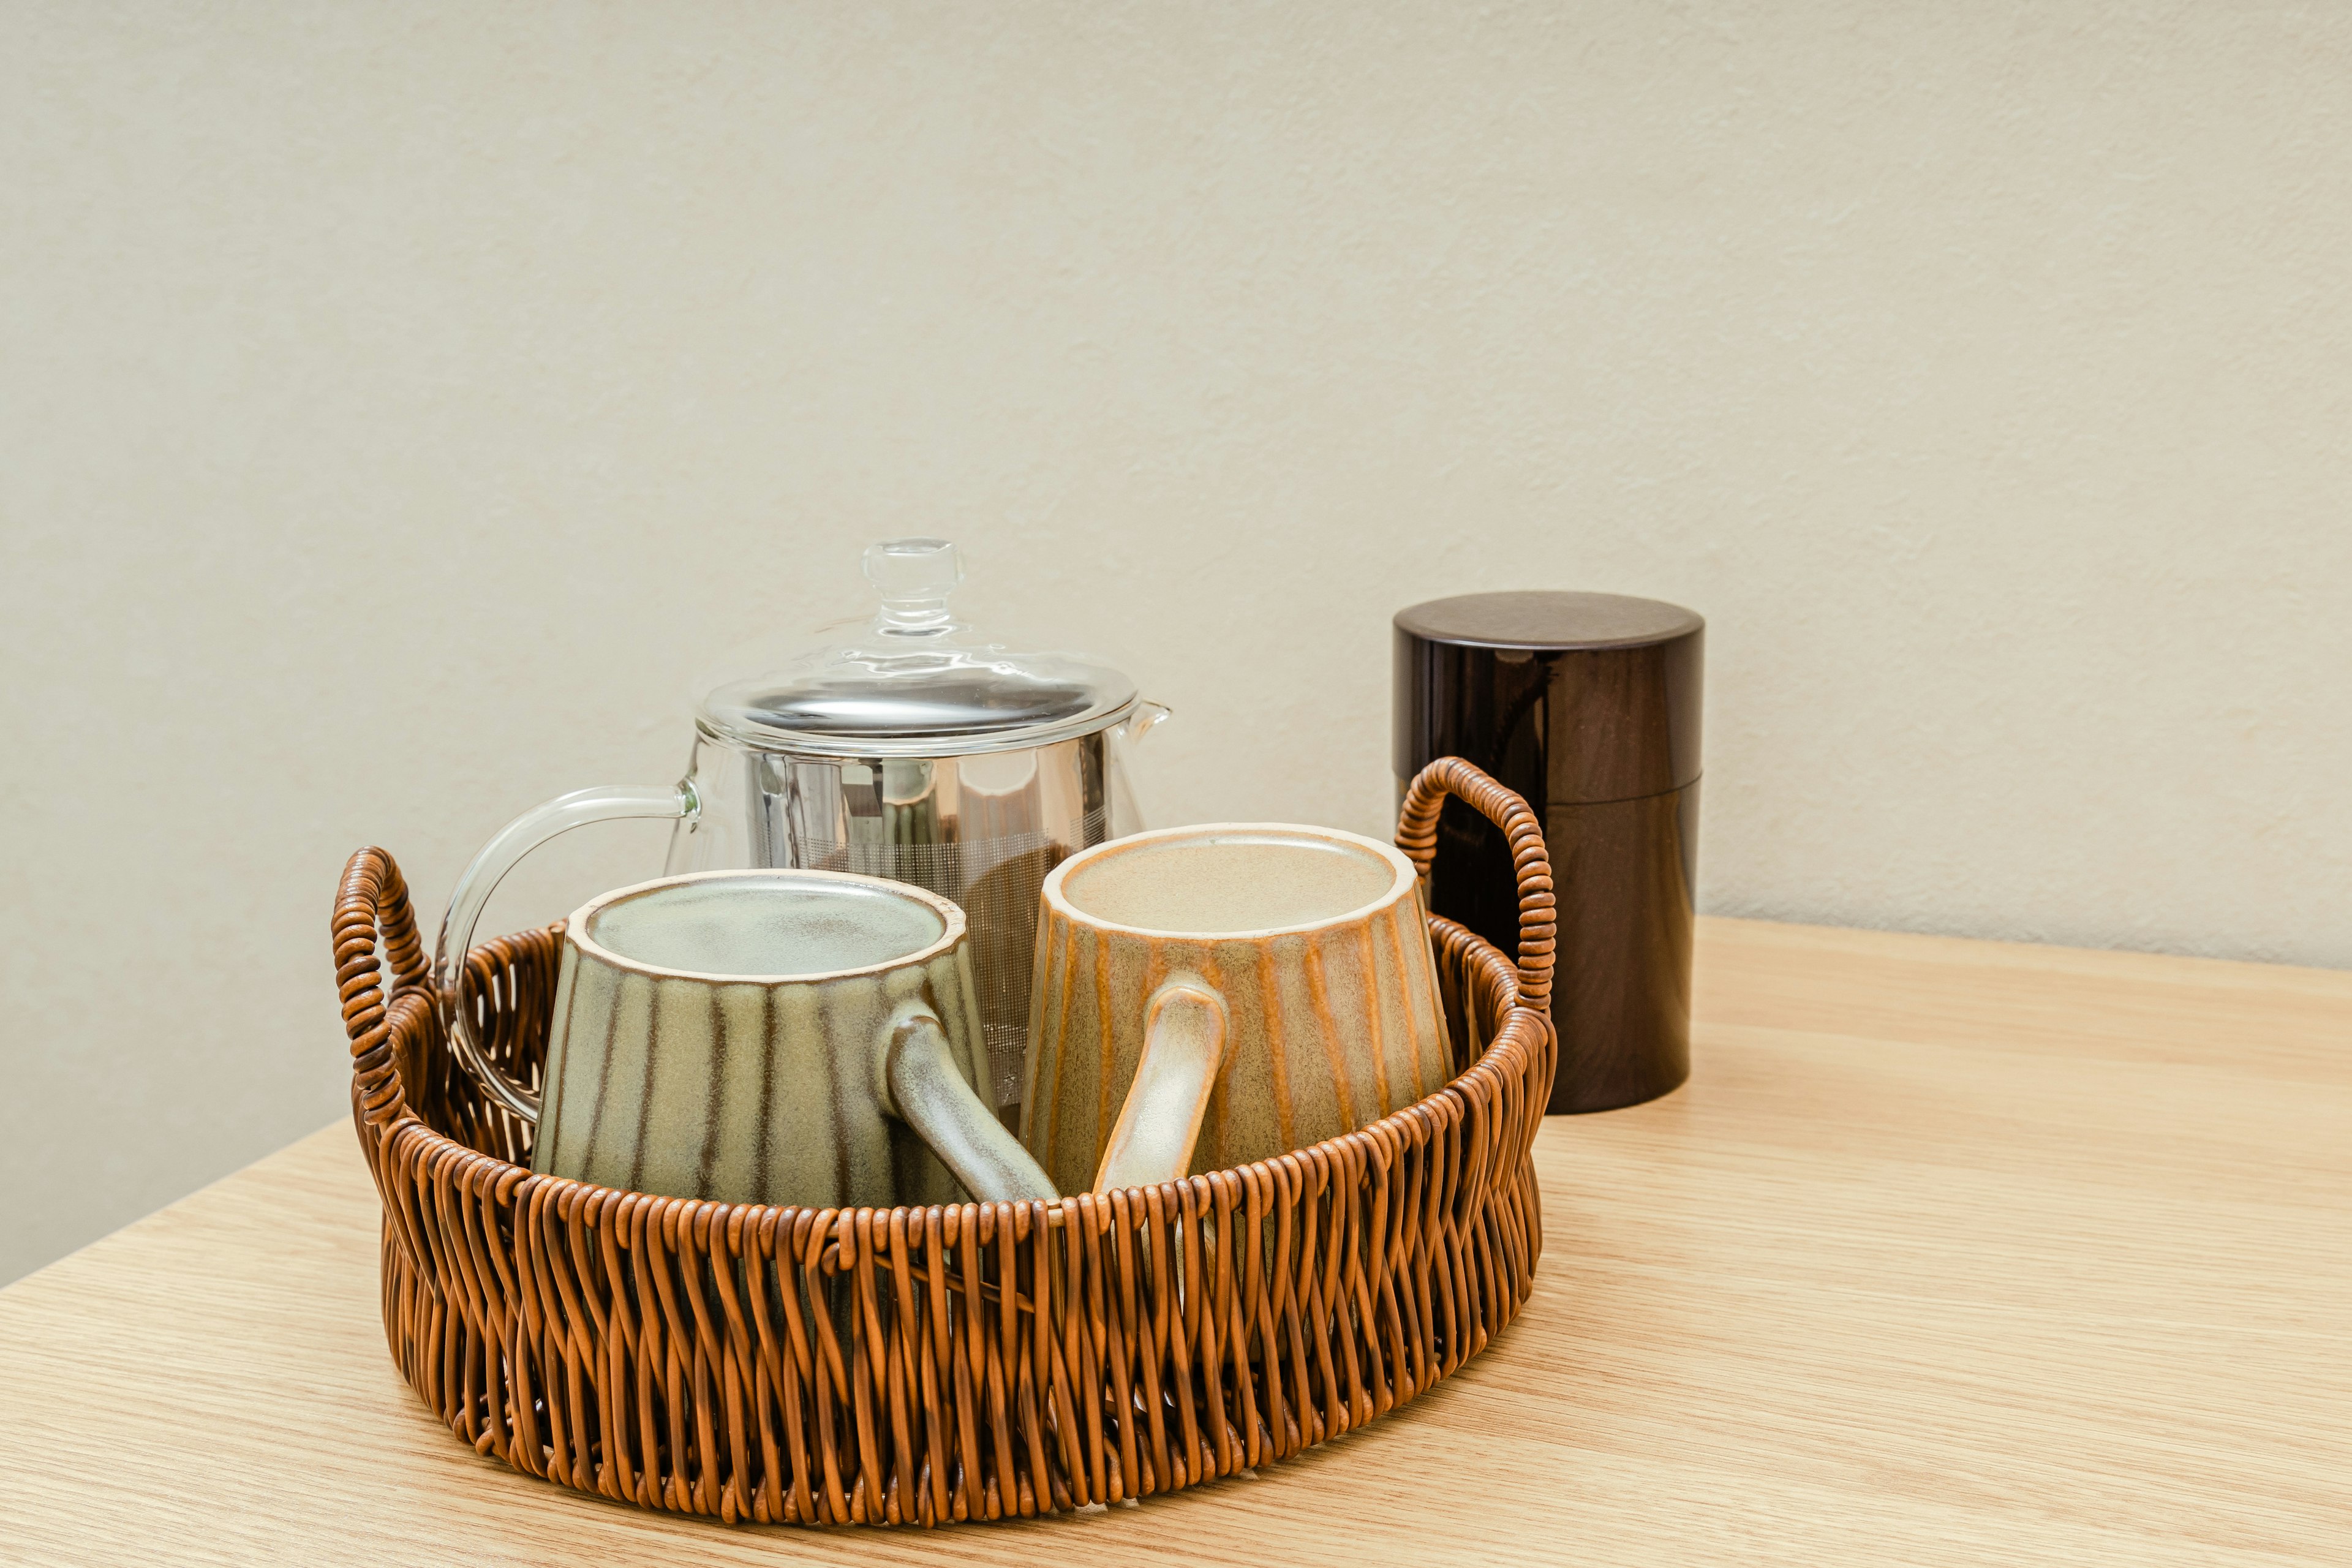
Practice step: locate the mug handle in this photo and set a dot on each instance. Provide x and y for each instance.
(499, 855)
(1184, 1027)
(923, 1087)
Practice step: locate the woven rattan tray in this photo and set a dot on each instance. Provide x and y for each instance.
(925, 1366)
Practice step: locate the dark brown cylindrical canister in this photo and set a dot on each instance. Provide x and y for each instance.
(1588, 706)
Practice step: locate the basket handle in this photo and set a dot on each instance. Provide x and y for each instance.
(374, 929)
(1417, 836)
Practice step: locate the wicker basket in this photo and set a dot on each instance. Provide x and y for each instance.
(923, 1366)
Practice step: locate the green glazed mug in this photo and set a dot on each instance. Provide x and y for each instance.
(774, 1037)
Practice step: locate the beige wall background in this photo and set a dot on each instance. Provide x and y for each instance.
(400, 403)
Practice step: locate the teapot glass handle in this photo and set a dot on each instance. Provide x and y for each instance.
(499, 855)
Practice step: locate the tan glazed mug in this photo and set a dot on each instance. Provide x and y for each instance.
(1208, 996)
(775, 1037)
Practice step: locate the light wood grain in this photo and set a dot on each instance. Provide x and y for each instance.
(1950, 1252)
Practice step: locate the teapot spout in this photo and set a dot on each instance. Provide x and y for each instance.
(1146, 715)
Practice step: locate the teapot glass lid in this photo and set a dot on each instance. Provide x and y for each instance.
(917, 682)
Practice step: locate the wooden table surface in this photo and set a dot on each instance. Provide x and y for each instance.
(1950, 1252)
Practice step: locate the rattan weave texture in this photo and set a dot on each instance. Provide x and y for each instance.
(926, 1366)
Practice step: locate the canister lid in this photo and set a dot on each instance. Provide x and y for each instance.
(916, 682)
(1581, 697)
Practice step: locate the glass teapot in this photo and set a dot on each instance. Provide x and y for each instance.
(915, 750)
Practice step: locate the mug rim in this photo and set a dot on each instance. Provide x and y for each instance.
(575, 926)
(1406, 882)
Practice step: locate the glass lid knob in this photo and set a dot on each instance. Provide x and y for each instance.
(915, 577)
(916, 682)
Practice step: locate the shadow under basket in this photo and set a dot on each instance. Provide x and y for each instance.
(926, 1366)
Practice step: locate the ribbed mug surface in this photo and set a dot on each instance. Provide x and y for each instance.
(751, 1089)
(1332, 1019)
